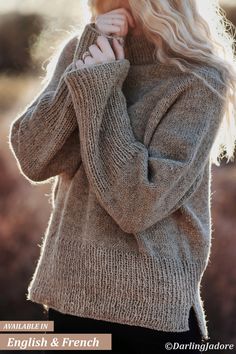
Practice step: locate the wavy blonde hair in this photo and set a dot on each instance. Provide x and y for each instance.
(186, 33)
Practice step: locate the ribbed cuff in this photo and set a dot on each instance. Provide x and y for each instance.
(98, 77)
(49, 128)
(88, 37)
(91, 87)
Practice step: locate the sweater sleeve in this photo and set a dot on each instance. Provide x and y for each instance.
(44, 138)
(139, 185)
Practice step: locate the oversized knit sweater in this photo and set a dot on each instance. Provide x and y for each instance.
(128, 144)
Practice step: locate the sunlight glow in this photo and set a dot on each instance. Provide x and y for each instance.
(76, 8)
(85, 10)
(45, 6)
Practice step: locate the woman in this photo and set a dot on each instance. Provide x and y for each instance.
(128, 133)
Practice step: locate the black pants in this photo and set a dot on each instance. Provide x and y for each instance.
(127, 338)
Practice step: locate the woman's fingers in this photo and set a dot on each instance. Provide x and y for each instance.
(115, 26)
(106, 28)
(110, 26)
(96, 52)
(79, 63)
(102, 52)
(113, 19)
(113, 15)
(126, 13)
(105, 47)
(118, 49)
(115, 22)
(89, 60)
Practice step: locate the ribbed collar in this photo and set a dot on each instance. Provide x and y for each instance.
(138, 50)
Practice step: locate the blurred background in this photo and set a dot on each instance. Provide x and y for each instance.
(29, 33)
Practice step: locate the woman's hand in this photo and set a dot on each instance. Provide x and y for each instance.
(115, 22)
(102, 52)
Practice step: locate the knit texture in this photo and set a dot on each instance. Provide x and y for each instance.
(127, 144)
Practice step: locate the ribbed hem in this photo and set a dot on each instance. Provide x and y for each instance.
(122, 287)
(198, 306)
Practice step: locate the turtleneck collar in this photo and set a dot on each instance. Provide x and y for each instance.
(139, 50)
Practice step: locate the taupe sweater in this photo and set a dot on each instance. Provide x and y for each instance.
(128, 144)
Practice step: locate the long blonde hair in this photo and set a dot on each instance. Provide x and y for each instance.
(185, 33)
